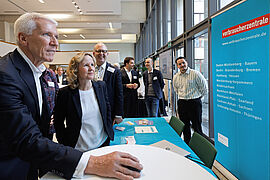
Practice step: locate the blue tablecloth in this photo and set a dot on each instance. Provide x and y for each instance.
(165, 132)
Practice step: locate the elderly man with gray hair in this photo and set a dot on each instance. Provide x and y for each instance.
(24, 147)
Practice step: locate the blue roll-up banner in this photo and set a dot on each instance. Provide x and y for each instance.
(240, 69)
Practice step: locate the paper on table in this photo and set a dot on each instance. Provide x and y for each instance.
(120, 128)
(146, 129)
(144, 122)
(130, 140)
(170, 147)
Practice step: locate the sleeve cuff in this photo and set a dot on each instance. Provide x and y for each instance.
(79, 171)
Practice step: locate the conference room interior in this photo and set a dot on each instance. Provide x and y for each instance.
(182, 27)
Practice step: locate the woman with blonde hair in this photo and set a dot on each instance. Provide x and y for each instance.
(85, 107)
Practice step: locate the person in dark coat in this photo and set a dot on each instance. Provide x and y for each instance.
(25, 121)
(82, 113)
(130, 81)
(112, 77)
(154, 84)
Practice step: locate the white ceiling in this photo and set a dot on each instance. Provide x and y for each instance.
(115, 21)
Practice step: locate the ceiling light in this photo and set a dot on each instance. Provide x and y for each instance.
(76, 6)
(41, 1)
(91, 41)
(129, 37)
(110, 24)
(82, 36)
(65, 35)
(67, 30)
(58, 16)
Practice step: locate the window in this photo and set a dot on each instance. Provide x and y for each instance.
(169, 20)
(200, 10)
(148, 6)
(180, 52)
(172, 99)
(160, 23)
(223, 3)
(200, 45)
(180, 18)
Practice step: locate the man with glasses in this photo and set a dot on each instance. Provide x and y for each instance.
(113, 79)
(25, 120)
(190, 86)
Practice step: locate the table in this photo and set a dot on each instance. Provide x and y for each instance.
(158, 163)
(165, 132)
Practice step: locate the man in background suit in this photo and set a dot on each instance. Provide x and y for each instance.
(112, 77)
(130, 81)
(24, 115)
(154, 84)
(61, 77)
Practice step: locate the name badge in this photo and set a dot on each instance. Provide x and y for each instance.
(51, 84)
(155, 78)
(111, 69)
(134, 77)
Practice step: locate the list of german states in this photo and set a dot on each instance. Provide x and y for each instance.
(230, 87)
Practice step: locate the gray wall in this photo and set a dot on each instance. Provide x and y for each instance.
(123, 48)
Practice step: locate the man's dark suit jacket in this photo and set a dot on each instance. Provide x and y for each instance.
(157, 83)
(64, 79)
(68, 107)
(130, 95)
(22, 130)
(114, 88)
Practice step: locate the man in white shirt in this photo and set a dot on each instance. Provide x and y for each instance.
(24, 147)
(190, 86)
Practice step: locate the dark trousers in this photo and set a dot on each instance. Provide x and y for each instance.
(152, 106)
(190, 110)
(130, 104)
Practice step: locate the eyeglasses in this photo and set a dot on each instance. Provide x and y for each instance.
(101, 51)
